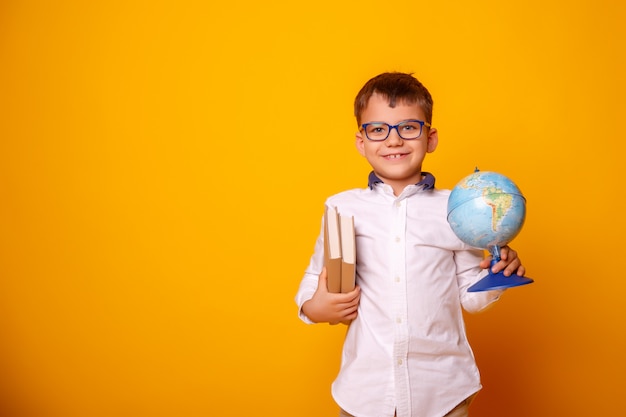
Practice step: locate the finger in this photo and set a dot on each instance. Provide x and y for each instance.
(349, 297)
(354, 303)
(517, 269)
(323, 273)
(512, 267)
(485, 262)
(348, 312)
(354, 294)
(501, 265)
(504, 252)
(508, 254)
(351, 302)
(323, 281)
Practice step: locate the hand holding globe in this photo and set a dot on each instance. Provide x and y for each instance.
(487, 210)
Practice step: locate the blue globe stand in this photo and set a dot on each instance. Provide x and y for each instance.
(498, 281)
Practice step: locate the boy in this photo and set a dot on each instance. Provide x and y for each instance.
(406, 352)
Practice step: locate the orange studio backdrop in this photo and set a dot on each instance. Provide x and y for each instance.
(163, 167)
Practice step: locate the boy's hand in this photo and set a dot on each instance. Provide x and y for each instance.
(333, 308)
(509, 262)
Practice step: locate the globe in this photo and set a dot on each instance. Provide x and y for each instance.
(487, 210)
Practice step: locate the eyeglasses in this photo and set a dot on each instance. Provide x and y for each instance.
(407, 130)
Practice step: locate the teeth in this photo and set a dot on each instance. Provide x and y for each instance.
(393, 156)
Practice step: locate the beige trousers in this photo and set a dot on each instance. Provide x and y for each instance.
(461, 410)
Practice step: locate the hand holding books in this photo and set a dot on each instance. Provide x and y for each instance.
(336, 299)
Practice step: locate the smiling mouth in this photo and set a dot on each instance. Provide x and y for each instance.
(395, 156)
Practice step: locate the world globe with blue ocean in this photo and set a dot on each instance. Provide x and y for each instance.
(487, 210)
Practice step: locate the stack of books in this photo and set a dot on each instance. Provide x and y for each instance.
(339, 251)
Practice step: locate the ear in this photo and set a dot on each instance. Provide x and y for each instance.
(360, 143)
(433, 140)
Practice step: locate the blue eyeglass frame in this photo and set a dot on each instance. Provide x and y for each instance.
(391, 127)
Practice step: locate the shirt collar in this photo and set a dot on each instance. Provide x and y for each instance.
(428, 180)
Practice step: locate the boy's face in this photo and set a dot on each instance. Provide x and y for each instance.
(396, 161)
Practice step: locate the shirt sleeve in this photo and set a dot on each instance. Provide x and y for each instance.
(468, 273)
(309, 282)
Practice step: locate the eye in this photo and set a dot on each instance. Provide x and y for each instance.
(376, 128)
(410, 126)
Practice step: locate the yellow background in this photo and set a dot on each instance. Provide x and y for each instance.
(163, 167)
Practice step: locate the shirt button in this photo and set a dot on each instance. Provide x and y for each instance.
(398, 239)
(399, 361)
(397, 279)
(398, 320)
(398, 203)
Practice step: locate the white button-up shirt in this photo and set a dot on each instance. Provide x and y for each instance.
(406, 352)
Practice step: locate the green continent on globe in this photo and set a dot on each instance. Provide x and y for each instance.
(500, 204)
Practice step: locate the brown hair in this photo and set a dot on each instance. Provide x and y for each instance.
(395, 86)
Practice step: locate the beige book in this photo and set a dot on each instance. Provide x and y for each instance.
(348, 253)
(332, 249)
